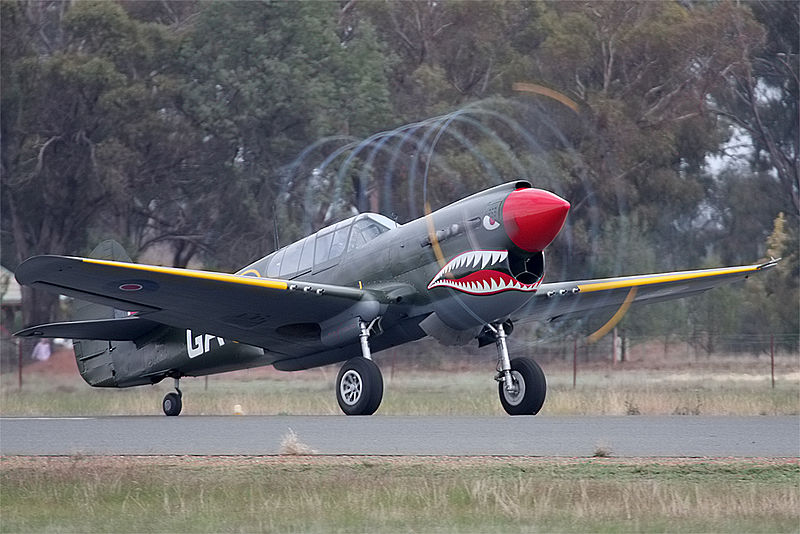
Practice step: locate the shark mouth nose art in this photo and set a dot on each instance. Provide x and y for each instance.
(475, 272)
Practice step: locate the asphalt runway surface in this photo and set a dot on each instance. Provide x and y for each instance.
(631, 436)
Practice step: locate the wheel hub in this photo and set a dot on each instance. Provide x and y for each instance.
(350, 387)
(516, 393)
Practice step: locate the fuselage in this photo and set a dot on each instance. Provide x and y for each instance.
(447, 274)
(462, 250)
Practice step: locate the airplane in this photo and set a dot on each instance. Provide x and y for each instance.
(464, 273)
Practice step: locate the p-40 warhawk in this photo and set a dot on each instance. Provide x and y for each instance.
(465, 272)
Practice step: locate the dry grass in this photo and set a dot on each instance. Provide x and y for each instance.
(323, 494)
(292, 446)
(602, 450)
(713, 386)
(467, 393)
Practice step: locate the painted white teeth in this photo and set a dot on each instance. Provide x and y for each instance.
(483, 287)
(478, 260)
(473, 259)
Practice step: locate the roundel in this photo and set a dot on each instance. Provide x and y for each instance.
(131, 286)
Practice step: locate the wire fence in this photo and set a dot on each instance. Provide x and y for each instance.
(16, 353)
(12, 355)
(619, 347)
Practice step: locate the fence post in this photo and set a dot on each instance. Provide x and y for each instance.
(614, 346)
(19, 364)
(574, 362)
(772, 357)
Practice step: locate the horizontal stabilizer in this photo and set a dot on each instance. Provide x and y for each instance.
(118, 329)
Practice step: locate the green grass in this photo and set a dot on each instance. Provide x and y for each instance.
(410, 393)
(322, 494)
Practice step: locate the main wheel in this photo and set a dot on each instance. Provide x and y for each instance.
(359, 387)
(531, 388)
(172, 404)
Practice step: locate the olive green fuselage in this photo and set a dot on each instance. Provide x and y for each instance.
(423, 277)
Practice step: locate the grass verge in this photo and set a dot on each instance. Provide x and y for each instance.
(408, 393)
(379, 494)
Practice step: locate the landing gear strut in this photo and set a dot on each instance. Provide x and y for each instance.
(521, 383)
(172, 402)
(359, 385)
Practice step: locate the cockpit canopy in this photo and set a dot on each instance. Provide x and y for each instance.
(323, 249)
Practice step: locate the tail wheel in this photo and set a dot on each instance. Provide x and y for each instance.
(172, 404)
(530, 387)
(359, 387)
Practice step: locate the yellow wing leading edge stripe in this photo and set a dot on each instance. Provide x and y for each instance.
(204, 275)
(664, 278)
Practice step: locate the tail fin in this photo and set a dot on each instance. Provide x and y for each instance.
(107, 250)
(119, 360)
(94, 358)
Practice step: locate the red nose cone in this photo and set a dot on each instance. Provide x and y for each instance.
(533, 218)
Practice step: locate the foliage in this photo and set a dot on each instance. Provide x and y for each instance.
(190, 130)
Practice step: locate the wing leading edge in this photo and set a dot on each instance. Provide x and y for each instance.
(243, 308)
(577, 298)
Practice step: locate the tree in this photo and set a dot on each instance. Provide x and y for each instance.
(92, 142)
(450, 53)
(762, 95)
(189, 130)
(265, 80)
(52, 124)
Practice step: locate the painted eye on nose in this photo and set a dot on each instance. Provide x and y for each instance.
(489, 223)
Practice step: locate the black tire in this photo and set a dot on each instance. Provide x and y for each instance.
(359, 387)
(533, 388)
(172, 404)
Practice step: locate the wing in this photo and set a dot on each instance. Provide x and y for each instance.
(279, 315)
(574, 299)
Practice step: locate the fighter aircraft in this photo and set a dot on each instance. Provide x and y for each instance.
(461, 274)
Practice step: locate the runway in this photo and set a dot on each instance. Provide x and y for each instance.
(631, 436)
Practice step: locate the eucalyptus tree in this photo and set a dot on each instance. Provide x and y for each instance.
(77, 77)
(264, 80)
(761, 98)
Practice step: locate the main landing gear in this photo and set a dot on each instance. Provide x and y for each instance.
(521, 383)
(359, 385)
(172, 402)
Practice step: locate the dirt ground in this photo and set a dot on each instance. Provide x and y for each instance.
(71, 462)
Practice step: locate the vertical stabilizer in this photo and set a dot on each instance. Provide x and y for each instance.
(110, 250)
(94, 358)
